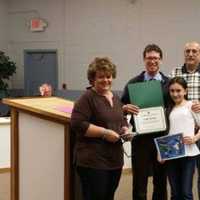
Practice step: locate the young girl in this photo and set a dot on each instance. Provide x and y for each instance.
(182, 120)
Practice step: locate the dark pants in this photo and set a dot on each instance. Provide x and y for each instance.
(198, 169)
(99, 184)
(144, 159)
(180, 174)
(198, 180)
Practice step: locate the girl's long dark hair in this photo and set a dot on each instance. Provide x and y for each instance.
(181, 81)
(170, 103)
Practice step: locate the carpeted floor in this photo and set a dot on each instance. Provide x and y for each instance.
(123, 192)
(124, 189)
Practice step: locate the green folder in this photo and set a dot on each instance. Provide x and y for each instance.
(146, 94)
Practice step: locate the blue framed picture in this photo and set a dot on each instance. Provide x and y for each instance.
(170, 146)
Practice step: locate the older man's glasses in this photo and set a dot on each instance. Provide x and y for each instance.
(192, 51)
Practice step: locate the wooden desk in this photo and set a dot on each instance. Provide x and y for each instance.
(40, 149)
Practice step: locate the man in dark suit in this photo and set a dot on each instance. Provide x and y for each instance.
(144, 154)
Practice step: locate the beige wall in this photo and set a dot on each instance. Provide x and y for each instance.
(3, 25)
(83, 29)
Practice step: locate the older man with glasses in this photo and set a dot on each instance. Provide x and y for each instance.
(190, 71)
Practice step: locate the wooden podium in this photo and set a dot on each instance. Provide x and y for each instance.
(40, 148)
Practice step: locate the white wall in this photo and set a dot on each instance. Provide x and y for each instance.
(4, 142)
(120, 29)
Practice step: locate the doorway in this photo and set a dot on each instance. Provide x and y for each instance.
(40, 66)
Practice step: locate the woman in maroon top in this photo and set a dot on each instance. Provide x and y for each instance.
(98, 121)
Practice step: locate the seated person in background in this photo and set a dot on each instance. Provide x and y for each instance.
(45, 90)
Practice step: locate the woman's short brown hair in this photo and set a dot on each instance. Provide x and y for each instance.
(100, 64)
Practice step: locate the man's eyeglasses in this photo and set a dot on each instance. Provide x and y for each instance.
(152, 58)
(193, 51)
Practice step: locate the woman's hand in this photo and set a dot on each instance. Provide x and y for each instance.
(160, 160)
(189, 139)
(111, 136)
(125, 134)
(130, 108)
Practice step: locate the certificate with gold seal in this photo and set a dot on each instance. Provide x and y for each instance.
(150, 120)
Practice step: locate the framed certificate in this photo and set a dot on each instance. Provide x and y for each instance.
(150, 120)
